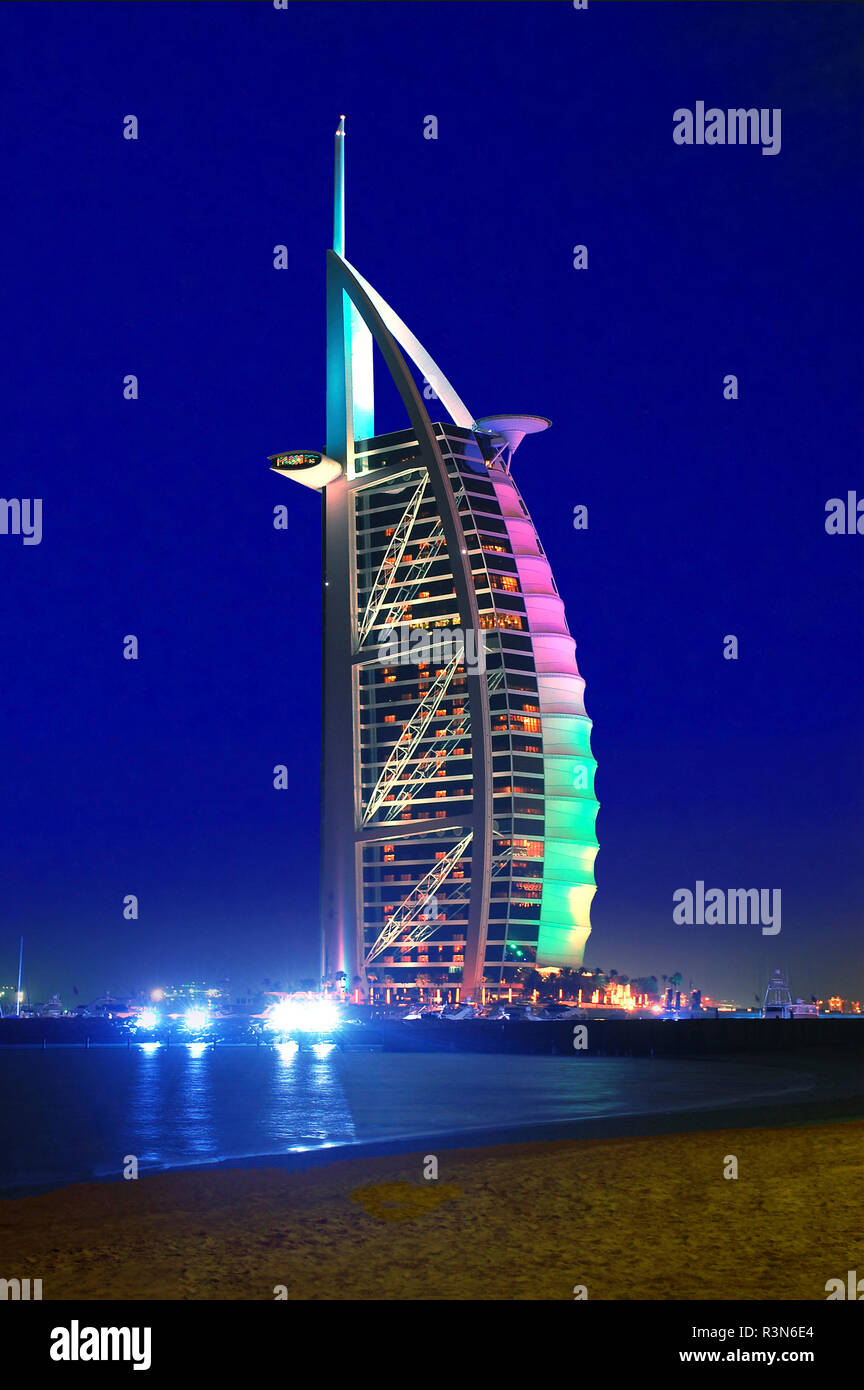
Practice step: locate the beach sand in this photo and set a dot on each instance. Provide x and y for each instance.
(642, 1218)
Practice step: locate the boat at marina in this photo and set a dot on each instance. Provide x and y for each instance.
(778, 1002)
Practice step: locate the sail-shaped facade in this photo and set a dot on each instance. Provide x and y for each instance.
(458, 820)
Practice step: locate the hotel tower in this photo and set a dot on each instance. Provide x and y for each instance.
(458, 815)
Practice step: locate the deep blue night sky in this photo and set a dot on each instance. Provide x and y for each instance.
(706, 516)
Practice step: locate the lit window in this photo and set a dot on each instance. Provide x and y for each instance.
(530, 726)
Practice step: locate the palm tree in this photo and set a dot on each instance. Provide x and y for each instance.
(566, 981)
(530, 979)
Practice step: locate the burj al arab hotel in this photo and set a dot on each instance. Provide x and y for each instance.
(458, 807)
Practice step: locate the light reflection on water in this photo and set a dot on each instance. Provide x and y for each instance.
(77, 1114)
(191, 1104)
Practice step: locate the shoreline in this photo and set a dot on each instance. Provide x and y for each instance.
(785, 1109)
(628, 1218)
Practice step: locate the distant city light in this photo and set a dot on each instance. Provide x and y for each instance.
(148, 1018)
(157, 995)
(196, 1019)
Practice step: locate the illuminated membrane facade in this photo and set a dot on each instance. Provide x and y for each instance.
(458, 821)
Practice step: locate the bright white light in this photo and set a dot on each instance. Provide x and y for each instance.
(284, 1016)
(323, 1049)
(287, 1050)
(303, 1016)
(148, 1018)
(196, 1049)
(320, 1016)
(149, 1046)
(195, 1019)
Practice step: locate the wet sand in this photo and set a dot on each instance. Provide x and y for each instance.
(649, 1217)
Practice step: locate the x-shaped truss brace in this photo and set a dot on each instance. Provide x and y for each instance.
(409, 914)
(391, 561)
(415, 728)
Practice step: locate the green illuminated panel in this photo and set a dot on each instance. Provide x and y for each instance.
(571, 818)
(570, 844)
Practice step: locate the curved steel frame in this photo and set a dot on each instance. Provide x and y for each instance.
(342, 916)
